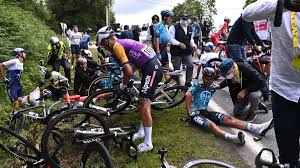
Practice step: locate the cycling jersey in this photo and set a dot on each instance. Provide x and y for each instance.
(161, 31)
(85, 41)
(200, 96)
(130, 51)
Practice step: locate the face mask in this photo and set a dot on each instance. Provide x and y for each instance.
(230, 76)
(184, 23)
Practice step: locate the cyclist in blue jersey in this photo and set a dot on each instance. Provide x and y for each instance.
(86, 38)
(13, 77)
(162, 37)
(197, 99)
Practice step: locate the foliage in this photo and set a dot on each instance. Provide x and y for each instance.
(83, 13)
(195, 8)
(249, 2)
(20, 28)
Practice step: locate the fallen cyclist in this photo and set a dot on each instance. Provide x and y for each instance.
(197, 99)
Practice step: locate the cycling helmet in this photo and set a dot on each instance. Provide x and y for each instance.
(86, 53)
(89, 30)
(104, 33)
(155, 17)
(166, 13)
(209, 72)
(208, 46)
(54, 40)
(17, 51)
(48, 74)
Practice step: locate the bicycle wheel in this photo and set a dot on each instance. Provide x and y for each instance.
(108, 101)
(104, 82)
(68, 135)
(96, 155)
(206, 163)
(169, 97)
(18, 146)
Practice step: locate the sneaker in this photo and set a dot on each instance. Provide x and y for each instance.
(138, 136)
(145, 147)
(241, 137)
(270, 126)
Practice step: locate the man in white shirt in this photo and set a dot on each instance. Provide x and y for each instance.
(182, 47)
(285, 76)
(75, 38)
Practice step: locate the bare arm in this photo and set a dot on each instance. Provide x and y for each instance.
(188, 103)
(2, 70)
(127, 71)
(156, 43)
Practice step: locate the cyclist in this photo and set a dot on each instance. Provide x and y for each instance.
(197, 99)
(244, 84)
(150, 33)
(57, 56)
(13, 77)
(143, 57)
(83, 77)
(86, 39)
(162, 38)
(209, 54)
(56, 80)
(285, 73)
(242, 31)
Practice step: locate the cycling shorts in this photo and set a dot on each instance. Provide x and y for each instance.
(205, 117)
(15, 91)
(152, 74)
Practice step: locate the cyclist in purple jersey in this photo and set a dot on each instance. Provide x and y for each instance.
(143, 57)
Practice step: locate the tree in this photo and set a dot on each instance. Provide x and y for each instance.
(195, 8)
(83, 13)
(249, 2)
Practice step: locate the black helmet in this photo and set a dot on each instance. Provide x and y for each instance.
(155, 17)
(48, 74)
(89, 30)
(209, 72)
(166, 13)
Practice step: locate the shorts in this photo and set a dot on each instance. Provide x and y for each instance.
(152, 74)
(15, 91)
(75, 49)
(205, 117)
(164, 55)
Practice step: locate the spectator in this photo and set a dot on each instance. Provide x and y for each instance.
(285, 73)
(75, 38)
(86, 39)
(126, 34)
(136, 33)
(150, 34)
(196, 30)
(205, 29)
(182, 47)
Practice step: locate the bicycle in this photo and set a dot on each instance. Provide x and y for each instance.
(191, 163)
(111, 101)
(77, 128)
(32, 157)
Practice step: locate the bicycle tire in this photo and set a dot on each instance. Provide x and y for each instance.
(52, 130)
(103, 82)
(9, 138)
(169, 91)
(102, 151)
(111, 100)
(194, 163)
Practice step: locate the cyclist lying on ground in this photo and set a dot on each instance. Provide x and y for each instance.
(197, 99)
(13, 77)
(56, 80)
(143, 58)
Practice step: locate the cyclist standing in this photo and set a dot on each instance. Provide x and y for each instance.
(285, 73)
(143, 57)
(162, 38)
(57, 56)
(13, 77)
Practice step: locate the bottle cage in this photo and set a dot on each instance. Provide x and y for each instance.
(279, 9)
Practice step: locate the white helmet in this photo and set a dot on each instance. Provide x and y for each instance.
(87, 53)
(54, 40)
(104, 33)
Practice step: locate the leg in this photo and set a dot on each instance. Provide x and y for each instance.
(286, 124)
(234, 52)
(188, 61)
(253, 98)
(198, 71)
(239, 108)
(56, 65)
(67, 68)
